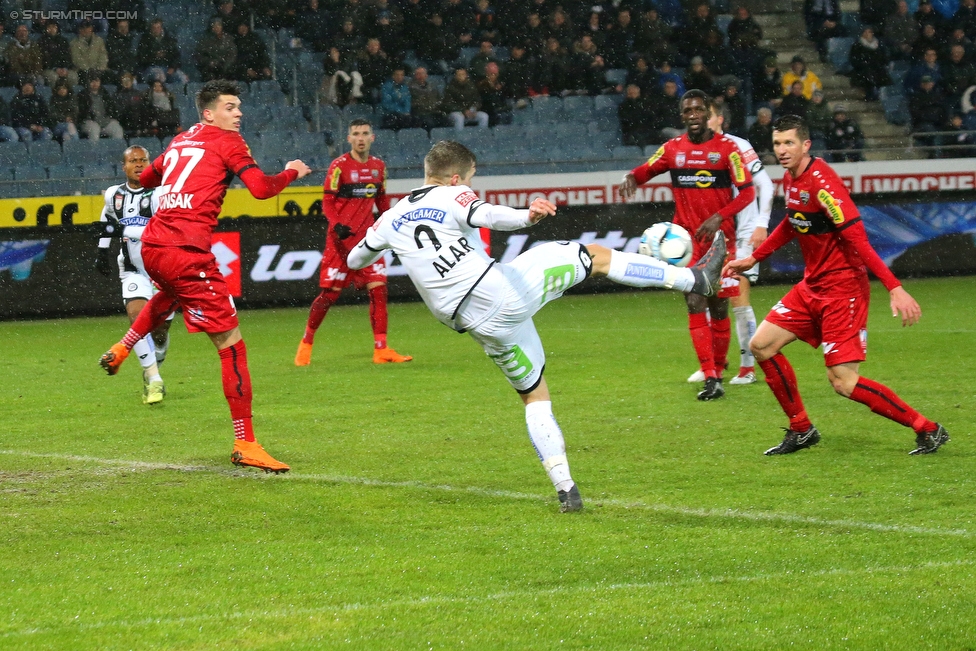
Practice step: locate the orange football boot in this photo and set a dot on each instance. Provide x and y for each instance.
(304, 355)
(112, 360)
(250, 453)
(388, 355)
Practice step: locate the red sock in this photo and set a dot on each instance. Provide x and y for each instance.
(150, 317)
(320, 307)
(782, 381)
(237, 388)
(721, 335)
(885, 402)
(377, 314)
(701, 339)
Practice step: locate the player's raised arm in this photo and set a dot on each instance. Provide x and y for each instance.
(656, 164)
(370, 249)
(264, 186)
(152, 176)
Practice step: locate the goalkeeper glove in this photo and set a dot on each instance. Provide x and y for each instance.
(102, 263)
(342, 231)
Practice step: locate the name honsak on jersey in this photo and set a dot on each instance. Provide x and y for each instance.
(176, 200)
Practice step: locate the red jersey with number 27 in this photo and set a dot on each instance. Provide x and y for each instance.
(703, 176)
(196, 170)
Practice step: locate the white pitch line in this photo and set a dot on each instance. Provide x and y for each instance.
(733, 514)
(520, 595)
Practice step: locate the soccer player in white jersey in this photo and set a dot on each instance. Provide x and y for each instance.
(434, 233)
(751, 229)
(128, 208)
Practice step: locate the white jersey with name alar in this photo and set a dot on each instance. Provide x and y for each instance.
(756, 214)
(133, 208)
(434, 233)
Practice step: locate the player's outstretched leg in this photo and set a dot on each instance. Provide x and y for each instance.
(548, 441)
(636, 270)
(708, 270)
(153, 389)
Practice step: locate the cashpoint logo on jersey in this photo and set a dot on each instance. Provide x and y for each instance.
(226, 247)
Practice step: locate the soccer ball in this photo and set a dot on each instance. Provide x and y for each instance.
(667, 242)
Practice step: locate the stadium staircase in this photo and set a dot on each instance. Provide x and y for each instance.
(785, 34)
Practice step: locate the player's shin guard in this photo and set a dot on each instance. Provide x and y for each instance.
(781, 380)
(636, 270)
(745, 327)
(378, 318)
(145, 351)
(701, 339)
(885, 402)
(320, 307)
(237, 388)
(721, 335)
(548, 441)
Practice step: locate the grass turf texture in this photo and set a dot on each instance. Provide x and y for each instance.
(416, 514)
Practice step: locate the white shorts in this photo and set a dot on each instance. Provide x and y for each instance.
(135, 285)
(743, 249)
(534, 278)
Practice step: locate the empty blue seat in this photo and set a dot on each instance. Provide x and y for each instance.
(29, 172)
(627, 152)
(838, 51)
(352, 111)
(547, 109)
(13, 153)
(152, 145)
(607, 101)
(45, 152)
(101, 171)
(616, 76)
(578, 108)
(63, 172)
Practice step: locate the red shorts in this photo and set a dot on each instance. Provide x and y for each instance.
(193, 279)
(335, 275)
(730, 286)
(838, 323)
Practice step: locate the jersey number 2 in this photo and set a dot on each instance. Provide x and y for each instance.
(192, 156)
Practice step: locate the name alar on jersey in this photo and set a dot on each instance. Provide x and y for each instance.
(442, 264)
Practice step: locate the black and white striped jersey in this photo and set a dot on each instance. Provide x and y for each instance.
(132, 208)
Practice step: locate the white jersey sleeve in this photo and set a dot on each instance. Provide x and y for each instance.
(105, 242)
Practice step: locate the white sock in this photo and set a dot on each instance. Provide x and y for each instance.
(161, 350)
(548, 441)
(146, 352)
(745, 328)
(636, 270)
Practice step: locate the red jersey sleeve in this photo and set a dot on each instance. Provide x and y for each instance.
(236, 154)
(330, 189)
(152, 176)
(780, 237)
(857, 235)
(656, 164)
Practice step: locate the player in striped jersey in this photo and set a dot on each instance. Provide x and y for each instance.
(128, 208)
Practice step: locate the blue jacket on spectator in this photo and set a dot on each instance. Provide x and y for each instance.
(395, 97)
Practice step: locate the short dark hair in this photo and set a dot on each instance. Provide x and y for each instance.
(695, 93)
(447, 158)
(789, 122)
(360, 122)
(125, 154)
(207, 96)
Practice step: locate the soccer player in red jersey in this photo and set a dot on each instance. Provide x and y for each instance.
(192, 177)
(354, 183)
(829, 307)
(704, 167)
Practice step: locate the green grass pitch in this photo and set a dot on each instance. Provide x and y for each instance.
(417, 515)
